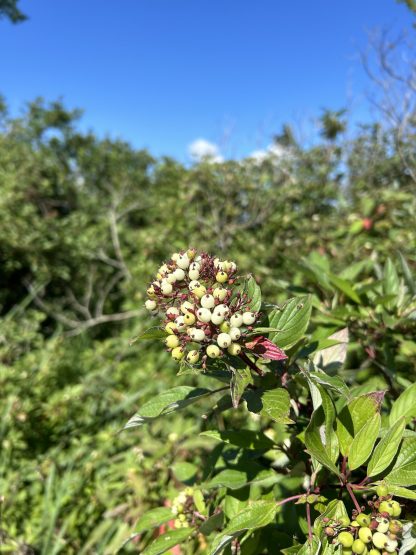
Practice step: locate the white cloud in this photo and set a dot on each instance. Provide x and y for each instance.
(272, 151)
(201, 149)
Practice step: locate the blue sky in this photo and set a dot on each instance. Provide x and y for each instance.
(163, 73)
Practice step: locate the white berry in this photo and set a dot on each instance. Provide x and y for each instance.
(224, 340)
(203, 314)
(150, 305)
(236, 320)
(208, 301)
(196, 334)
(249, 318)
(235, 333)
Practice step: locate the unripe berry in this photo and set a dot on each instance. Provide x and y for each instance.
(203, 315)
(387, 507)
(358, 547)
(220, 293)
(249, 318)
(189, 319)
(179, 274)
(193, 274)
(363, 519)
(178, 353)
(172, 341)
(365, 534)
(236, 320)
(183, 261)
(213, 351)
(192, 356)
(170, 278)
(151, 292)
(171, 327)
(193, 284)
(344, 520)
(221, 277)
(382, 490)
(217, 319)
(346, 539)
(196, 334)
(199, 291)
(191, 253)
(380, 540)
(374, 552)
(150, 305)
(235, 333)
(180, 323)
(396, 508)
(208, 301)
(172, 311)
(234, 349)
(186, 307)
(391, 546)
(224, 340)
(395, 526)
(166, 287)
(225, 327)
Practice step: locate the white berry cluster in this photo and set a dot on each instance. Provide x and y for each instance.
(203, 313)
(182, 508)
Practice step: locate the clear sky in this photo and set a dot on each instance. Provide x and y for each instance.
(163, 73)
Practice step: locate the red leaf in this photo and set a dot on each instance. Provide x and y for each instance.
(266, 349)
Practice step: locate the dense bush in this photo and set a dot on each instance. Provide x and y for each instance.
(84, 224)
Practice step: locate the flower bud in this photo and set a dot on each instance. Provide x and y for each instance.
(234, 349)
(178, 353)
(196, 334)
(172, 311)
(346, 539)
(172, 341)
(166, 287)
(179, 274)
(217, 319)
(213, 351)
(203, 315)
(192, 356)
(365, 534)
(199, 291)
(249, 318)
(363, 519)
(236, 320)
(150, 305)
(380, 540)
(224, 340)
(235, 333)
(186, 307)
(171, 327)
(189, 319)
(220, 293)
(358, 547)
(183, 261)
(221, 277)
(208, 301)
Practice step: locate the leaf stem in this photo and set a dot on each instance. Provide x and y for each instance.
(354, 499)
(288, 499)
(251, 364)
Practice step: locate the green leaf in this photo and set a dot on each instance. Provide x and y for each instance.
(320, 439)
(247, 439)
(386, 450)
(257, 515)
(273, 403)
(240, 379)
(232, 478)
(214, 522)
(153, 518)
(391, 280)
(253, 292)
(354, 416)
(166, 541)
(151, 333)
(334, 510)
(405, 405)
(403, 472)
(333, 383)
(166, 402)
(292, 319)
(400, 491)
(185, 472)
(363, 443)
(345, 287)
(408, 278)
(333, 357)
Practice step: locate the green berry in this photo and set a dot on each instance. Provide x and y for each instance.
(391, 546)
(387, 507)
(183, 261)
(358, 547)
(380, 540)
(220, 293)
(365, 534)
(171, 327)
(166, 287)
(172, 311)
(374, 552)
(213, 351)
(178, 353)
(224, 340)
(363, 519)
(346, 539)
(172, 341)
(189, 319)
(199, 291)
(234, 349)
(186, 307)
(344, 520)
(192, 356)
(395, 526)
(180, 323)
(225, 327)
(221, 277)
(396, 508)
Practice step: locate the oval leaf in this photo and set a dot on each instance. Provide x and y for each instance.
(363, 443)
(386, 450)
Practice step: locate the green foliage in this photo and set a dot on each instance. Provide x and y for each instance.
(10, 10)
(327, 234)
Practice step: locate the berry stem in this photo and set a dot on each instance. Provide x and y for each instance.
(308, 518)
(288, 499)
(354, 499)
(251, 364)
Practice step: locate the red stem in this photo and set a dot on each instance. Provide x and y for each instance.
(357, 506)
(308, 518)
(251, 364)
(293, 498)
